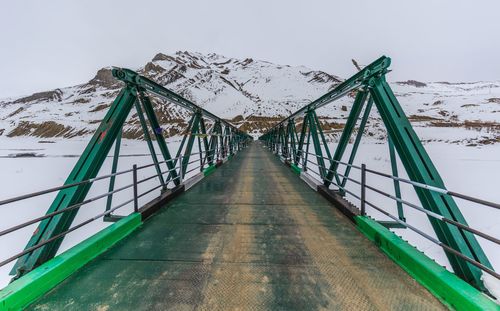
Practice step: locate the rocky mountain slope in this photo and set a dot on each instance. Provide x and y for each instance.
(253, 95)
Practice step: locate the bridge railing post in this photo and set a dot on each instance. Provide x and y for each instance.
(363, 189)
(181, 177)
(134, 177)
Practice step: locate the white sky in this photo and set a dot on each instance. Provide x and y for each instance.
(49, 44)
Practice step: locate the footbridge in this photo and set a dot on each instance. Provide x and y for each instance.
(287, 222)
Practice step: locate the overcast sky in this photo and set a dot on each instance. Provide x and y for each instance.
(49, 44)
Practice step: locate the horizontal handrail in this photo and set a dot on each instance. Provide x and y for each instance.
(417, 184)
(75, 206)
(436, 189)
(437, 216)
(195, 168)
(429, 213)
(416, 207)
(441, 244)
(91, 180)
(62, 234)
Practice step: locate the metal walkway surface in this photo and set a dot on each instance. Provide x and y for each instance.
(248, 237)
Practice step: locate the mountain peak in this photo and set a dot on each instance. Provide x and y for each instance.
(160, 56)
(104, 78)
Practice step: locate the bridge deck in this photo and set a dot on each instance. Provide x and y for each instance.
(250, 236)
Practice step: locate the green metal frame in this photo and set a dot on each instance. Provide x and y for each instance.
(157, 130)
(371, 87)
(86, 168)
(109, 200)
(149, 142)
(108, 133)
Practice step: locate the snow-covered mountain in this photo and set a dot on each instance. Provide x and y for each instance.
(253, 95)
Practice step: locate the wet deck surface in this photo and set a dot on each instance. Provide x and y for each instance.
(251, 236)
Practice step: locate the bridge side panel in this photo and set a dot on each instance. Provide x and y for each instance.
(87, 167)
(421, 169)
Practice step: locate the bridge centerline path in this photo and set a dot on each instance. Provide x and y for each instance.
(249, 236)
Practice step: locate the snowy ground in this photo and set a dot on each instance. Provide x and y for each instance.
(468, 170)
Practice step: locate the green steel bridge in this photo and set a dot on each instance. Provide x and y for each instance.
(238, 224)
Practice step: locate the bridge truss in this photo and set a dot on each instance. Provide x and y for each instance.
(216, 143)
(292, 138)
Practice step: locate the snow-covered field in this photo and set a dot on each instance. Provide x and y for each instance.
(468, 170)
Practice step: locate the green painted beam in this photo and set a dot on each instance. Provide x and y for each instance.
(295, 169)
(114, 166)
(445, 285)
(420, 168)
(149, 142)
(157, 131)
(36, 283)
(209, 170)
(345, 137)
(131, 77)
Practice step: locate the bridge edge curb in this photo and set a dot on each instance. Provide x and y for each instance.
(33, 285)
(446, 286)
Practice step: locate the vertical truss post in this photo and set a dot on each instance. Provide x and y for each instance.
(355, 146)
(286, 140)
(278, 141)
(314, 132)
(291, 136)
(136, 196)
(200, 152)
(323, 139)
(228, 141)
(223, 142)
(214, 140)
(206, 145)
(189, 146)
(397, 189)
(363, 189)
(346, 134)
(304, 166)
(300, 147)
(233, 138)
(184, 138)
(274, 140)
(147, 138)
(114, 166)
(158, 132)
